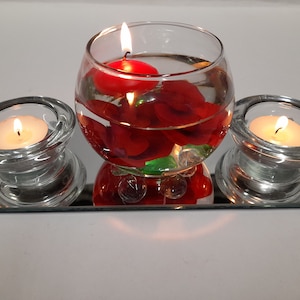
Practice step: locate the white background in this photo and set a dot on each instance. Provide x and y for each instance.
(203, 254)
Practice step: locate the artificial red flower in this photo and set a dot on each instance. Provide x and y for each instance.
(182, 105)
(124, 145)
(178, 103)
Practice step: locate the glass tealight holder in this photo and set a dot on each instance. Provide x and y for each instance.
(42, 173)
(264, 166)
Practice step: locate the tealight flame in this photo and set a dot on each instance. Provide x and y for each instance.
(281, 123)
(17, 126)
(130, 97)
(126, 43)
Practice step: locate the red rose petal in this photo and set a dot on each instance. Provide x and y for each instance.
(127, 141)
(94, 132)
(206, 110)
(181, 94)
(103, 109)
(171, 117)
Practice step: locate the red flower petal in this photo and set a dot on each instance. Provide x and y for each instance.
(125, 141)
(181, 94)
(171, 117)
(179, 103)
(94, 132)
(103, 109)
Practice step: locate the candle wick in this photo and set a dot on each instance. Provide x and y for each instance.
(278, 130)
(18, 132)
(125, 55)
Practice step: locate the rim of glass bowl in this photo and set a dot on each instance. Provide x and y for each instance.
(242, 134)
(150, 76)
(63, 129)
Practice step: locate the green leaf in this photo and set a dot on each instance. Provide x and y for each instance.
(159, 165)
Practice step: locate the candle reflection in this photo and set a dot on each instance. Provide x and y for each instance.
(130, 97)
(174, 228)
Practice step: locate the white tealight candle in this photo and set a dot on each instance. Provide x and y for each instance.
(277, 130)
(21, 131)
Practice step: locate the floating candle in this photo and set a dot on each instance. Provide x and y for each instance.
(21, 131)
(277, 130)
(120, 84)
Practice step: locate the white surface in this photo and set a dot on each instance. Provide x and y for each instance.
(230, 254)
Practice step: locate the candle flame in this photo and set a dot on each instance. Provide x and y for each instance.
(17, 126)
(281, 123)
(130, 97)
(126, 43)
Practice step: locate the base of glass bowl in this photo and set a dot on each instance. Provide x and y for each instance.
(113, 188)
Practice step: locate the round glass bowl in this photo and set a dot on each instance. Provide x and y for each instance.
(43, 172)
(264, 167)
(160, 109)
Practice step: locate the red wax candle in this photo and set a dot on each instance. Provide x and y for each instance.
(118, 85)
